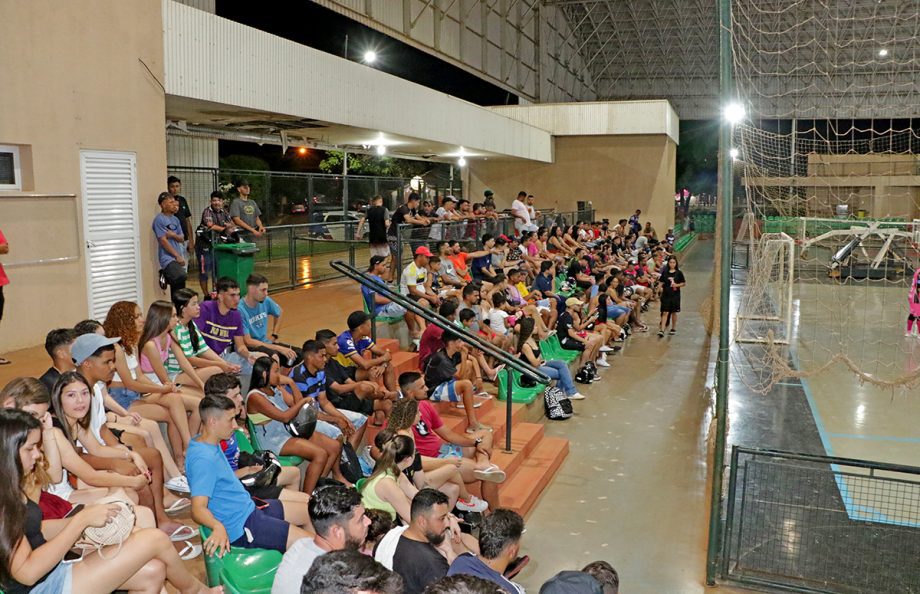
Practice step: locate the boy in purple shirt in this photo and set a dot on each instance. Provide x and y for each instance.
(221, 326)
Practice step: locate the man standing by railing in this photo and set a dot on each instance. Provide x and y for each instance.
(406, 214)
(246, 213)
(376, 219)
(215, 221)
(170, 244)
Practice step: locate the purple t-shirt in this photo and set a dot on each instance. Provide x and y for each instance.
(218, 330)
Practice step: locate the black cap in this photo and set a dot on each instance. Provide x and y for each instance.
(572, 582)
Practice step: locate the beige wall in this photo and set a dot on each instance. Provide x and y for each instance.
(72, 79)
(617, 173)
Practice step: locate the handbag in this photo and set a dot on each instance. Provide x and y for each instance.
(114, 532)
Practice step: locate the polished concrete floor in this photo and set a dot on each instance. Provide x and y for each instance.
(634, 489)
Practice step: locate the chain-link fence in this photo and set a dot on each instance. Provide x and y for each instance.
(822, 524)
(291, 198)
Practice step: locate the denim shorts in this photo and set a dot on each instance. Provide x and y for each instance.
(392, 310)
(59, 581)
(330, 430)
(449, 450)
(124, 397)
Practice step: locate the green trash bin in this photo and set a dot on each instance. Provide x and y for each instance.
(235, 260)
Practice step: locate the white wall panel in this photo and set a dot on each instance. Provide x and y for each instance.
(213, 59)
(191, 151)
(599, 118)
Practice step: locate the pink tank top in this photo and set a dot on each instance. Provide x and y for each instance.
(164, 354)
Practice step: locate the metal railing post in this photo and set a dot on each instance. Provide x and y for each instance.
(725, 205)
(292, 255)
(508, 411)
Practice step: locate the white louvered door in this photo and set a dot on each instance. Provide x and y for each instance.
(110, 229)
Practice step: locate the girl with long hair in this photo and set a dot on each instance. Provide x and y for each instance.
(205, 361)
(159, 402)
(155, 344)
(529, 351)
(277, 407)
(50, 478)
(30, 563)
(557, 242)
(387, 488)
(672, 281)
(446, 476)
(71, 400)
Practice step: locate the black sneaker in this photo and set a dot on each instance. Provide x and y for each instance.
(162, 281)
(672, 332)
(661, 334)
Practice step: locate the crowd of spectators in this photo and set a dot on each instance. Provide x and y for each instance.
(394, 515)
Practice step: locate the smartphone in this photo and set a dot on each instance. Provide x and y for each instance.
(74, 510)
(260, 503)
(74, 556)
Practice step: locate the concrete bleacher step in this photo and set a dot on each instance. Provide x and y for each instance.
(388, 344)
(524, 439)
(522, 490)
(404, 361)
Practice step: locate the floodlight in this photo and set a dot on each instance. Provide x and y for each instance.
(302, 150)
(882, 53)
(733, 153)
(733, 112)
(381, 149)
(370, 56)
(461, 162)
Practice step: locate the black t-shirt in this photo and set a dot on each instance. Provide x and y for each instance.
(678, 277)
(440, 368)
(399, 218)
(563, 324)
(185, 212)
(336, 373)
(575, 269)
(416, 467)
(377, 224)
(49, 377)
(419, 564)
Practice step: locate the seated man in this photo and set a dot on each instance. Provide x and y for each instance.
(499, 545)
(422, 553)
(443, 381)
(221, 326)
(255, 308)
(57, 345)
(378, 268)
(219, 500)
(340, 523)
(310, 379)
(356, 349)
(345, 392)
(434, 440)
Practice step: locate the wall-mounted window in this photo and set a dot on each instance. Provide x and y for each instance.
(10, 168)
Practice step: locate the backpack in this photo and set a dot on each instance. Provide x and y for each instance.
(349, 464)
(584, 375)
(558, 407)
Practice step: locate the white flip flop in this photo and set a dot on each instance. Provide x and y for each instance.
(181, 533)
(179, 505)
(190, 551)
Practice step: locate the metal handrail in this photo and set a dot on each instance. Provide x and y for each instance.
(466, 336)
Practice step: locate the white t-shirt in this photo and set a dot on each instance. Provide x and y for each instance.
(520, 210)
(412, 275)
(97, 411)
(295, 564)
(497, 321)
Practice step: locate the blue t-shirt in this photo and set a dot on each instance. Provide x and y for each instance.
(161, 224)
(543, 284)
(369, 294)
(255, 319)
(209, 475)
(479, 264)
(348, 346)
(467, 564)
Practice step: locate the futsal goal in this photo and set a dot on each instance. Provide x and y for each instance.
(764, 314)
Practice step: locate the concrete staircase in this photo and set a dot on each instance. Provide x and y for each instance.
(534, 458)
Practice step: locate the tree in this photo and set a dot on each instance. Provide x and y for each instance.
(373, 165)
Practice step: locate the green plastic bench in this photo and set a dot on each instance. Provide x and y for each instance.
(519, 394)
(382, 319)
(551, 349)
(250, 446)
(241, 571)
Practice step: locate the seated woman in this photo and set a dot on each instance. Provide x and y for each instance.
(132, 390)
(387, 488)
(556, 242)
(574, 336)
(59, 458)
(133, 428)
(72, 402)
(529, 351)
(31, 559)
(205, 361)
(278, 407)
(155, 345)
(443, 474)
